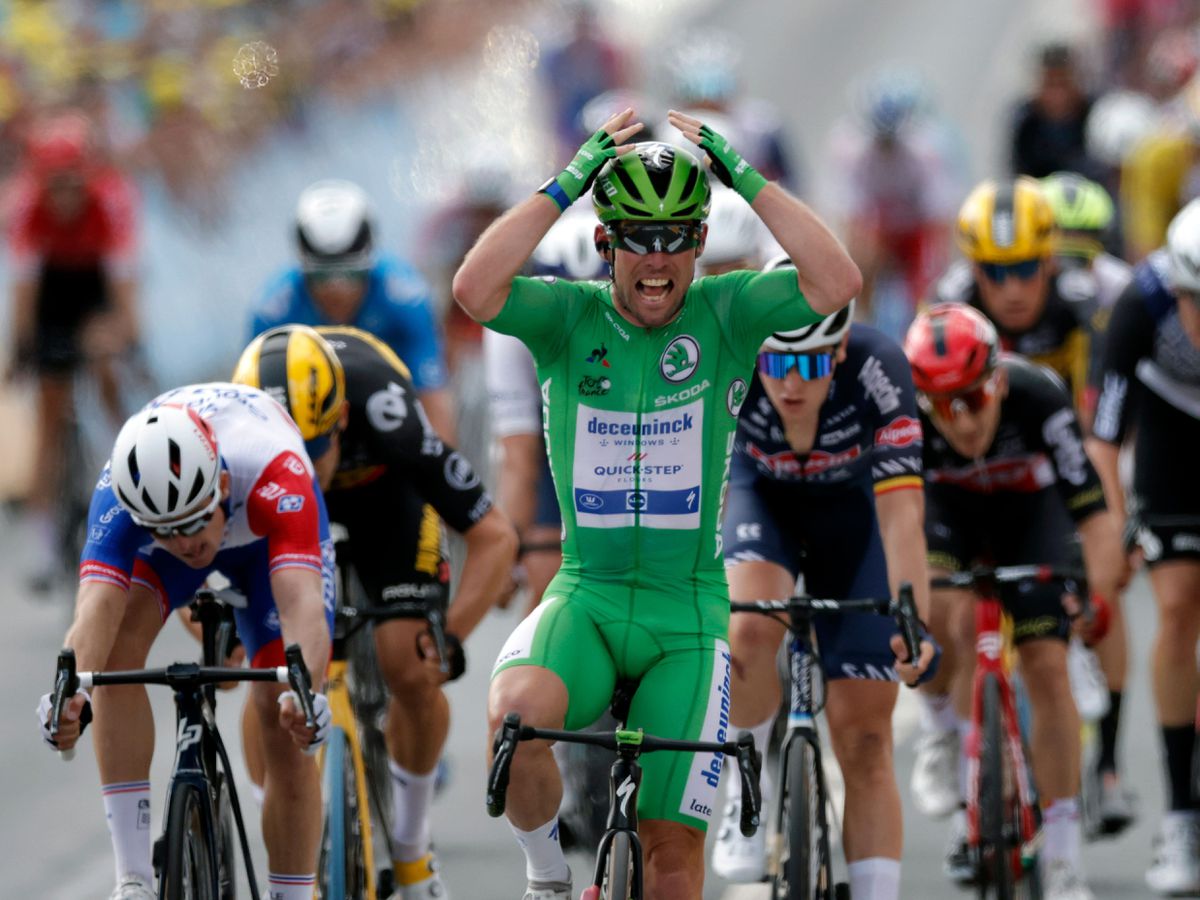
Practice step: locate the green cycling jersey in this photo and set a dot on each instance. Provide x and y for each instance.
(639, 425)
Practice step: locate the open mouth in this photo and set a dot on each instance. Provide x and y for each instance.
(654, 289)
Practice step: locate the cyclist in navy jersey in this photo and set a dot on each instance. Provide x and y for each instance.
(1151, 379)
(342, 281)
(825, 481)
(1007, 481)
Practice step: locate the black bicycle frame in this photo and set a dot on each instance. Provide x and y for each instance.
(625, 780)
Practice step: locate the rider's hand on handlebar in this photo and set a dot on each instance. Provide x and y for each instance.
(76, 714)
(456, 658)
(920, 671)
(291, 719)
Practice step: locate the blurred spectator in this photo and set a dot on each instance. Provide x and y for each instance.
(72, 238)
(1048, 129)
(342, 281)
(588, 64)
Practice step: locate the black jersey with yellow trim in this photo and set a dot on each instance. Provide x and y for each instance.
(1062, 337)
(388, 435)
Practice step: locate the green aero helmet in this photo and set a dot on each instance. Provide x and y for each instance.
(1083, 212)
(653, 182)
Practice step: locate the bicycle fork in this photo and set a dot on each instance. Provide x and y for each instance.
(625, 778)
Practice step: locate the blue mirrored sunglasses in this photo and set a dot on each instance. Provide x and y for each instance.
(999, 272)
(810, 365)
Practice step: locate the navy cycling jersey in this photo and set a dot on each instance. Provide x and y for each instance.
(869, 432)
(396, 309)
(1147, 350)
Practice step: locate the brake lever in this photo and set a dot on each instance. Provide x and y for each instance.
(301, 683)
(749, 766)
(436, 619)
(66, 684)
(503, 748)
(904, 608)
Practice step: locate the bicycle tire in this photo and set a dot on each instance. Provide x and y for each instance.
(226, 842)
(995, 857)
(188, 874)
(803, 865)
(618, 872)
(341, 870)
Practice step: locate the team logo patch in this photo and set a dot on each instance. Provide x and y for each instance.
(591, 501)
(598, 354)
(459, 472)
(903, 431)
(594, 386)
(735, 396)
(290, 503)
(679, 359)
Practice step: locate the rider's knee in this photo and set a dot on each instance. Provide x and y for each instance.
(754, 639)
(864, 749)
(537, 695)
(410, 682)
(674, 856)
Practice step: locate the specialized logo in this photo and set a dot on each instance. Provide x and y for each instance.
(679, 359)
(736, 396)
(625, 791)
(598, 354)
(902, 431)
(594, 385)
(290, 503)
(459, 472)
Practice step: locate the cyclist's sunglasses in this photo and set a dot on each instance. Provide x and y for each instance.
(334, 273)
(947, 406)
(191, 526)
(775, 364)
(656, 237)
(1001, 272)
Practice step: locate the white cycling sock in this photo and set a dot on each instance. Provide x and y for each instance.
(544, 860)
(936, 713)
(965, 727)
(876, 878)
(1060, 827)
(412, 796)
(127, 807)
(290, 887)
(733, 784)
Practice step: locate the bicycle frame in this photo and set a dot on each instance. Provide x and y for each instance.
(625, 781)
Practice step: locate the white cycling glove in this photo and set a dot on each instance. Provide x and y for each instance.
(43, 716)
(320, 712)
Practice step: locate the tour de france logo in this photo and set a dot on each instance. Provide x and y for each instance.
(679, 359)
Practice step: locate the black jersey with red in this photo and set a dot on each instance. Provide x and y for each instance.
(1038, 445)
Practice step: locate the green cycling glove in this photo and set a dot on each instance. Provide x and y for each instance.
(728, 165)
(577, 177)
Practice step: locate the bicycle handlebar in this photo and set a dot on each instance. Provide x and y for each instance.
(432, 613)
(902, 608)
(512, 732)
(989, 575)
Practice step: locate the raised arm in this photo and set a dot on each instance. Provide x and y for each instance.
(827, 275)
(482, 282)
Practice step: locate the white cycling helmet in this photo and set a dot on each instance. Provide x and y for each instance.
(569, 248)
(165, 467)
(1183, 249)
(1117, 123)
(735, 232)
(826, 333)
(333, 226)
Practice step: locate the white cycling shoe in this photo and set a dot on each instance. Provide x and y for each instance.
(133, 887)
(1176, 867)
(549, 890)
(1063, 882)
(735, 857)
(934, 784)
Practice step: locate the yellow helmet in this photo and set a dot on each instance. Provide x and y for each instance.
(299, 368)
(1006, 222)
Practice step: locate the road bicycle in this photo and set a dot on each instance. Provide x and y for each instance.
(799, 860)
(1003, 818)
(194, 857)
(619, 873)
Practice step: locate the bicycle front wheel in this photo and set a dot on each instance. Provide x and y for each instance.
(226, 846)
(995, 857)
(803, 872)
(189, 871)
(341, 870)
(618, 873)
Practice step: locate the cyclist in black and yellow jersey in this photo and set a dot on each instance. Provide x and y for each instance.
(387, 477)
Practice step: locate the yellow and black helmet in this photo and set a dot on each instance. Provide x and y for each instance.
(299, 368)
(1006, 222)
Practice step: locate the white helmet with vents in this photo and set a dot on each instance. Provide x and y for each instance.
(735, 232)
(333, 226)
(1183, 249)
(826, 333)
(165, 467)
(569, 248)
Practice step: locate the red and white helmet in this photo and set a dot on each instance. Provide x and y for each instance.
(950, 348)
(165, 466)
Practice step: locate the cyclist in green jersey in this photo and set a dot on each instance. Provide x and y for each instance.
(642, 378)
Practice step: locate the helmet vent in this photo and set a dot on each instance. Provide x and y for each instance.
(197, 486)
(173, 459)
(148, 501)
(134, 472)
(939, 335)
(1003, 222)
(172, 495)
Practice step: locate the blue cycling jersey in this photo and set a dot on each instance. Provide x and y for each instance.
(396, 309)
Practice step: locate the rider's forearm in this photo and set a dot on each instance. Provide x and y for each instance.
(99, 609)
(299, 597)
(902, 526)
(491, 551)
(482, 282)
(1105, 458)
(520, 472)
(827, 275)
